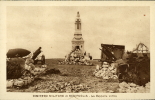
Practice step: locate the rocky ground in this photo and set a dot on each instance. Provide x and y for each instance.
(76, 79)
(70, 79)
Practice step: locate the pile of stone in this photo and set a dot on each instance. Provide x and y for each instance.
(133, 88)
(76, 62)
(38, 70)
(19, 82)
(27, 78)
(106, 71)
(65, 87)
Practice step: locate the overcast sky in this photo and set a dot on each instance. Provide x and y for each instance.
(52, 28)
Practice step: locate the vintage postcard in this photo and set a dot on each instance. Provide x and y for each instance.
(77, 50)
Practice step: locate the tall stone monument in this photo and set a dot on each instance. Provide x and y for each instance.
(78, 41)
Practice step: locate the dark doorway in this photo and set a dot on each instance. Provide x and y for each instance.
(77, 47)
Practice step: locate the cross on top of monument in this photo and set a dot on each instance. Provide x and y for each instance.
(78, 23)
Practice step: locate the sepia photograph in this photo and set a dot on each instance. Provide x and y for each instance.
(78, 49)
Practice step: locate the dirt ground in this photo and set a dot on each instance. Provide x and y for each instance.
(77, 74)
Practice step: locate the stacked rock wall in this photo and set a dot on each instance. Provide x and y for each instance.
(106, 71)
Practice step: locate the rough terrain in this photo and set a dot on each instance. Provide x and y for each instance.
(72, 78)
